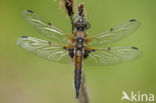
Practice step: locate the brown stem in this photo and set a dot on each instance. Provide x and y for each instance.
(83, 96)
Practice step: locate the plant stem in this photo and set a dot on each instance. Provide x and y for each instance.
(83, 96)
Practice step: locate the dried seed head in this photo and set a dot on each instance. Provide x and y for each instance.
(81, 10)
(69, 5)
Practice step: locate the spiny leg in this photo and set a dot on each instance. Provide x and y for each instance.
(72, 23)
(88, 25)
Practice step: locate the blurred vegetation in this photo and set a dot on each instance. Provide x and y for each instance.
(26, 78)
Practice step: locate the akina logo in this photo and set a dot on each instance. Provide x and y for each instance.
(137, 97)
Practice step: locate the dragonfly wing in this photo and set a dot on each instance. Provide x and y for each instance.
(109, 56)
(45, 27)
(45, 49)
(115, 34)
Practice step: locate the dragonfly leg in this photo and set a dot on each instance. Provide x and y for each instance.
(88, 25)
(72, 22)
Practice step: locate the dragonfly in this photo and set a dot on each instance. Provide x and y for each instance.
(78, 48)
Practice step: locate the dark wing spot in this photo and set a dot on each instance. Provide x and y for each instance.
(93, 50)
(132, 20)
(30, 11)
(49, 42)
(71, 53)
(109, 49)
(49, 24)
(111, 29)
(86, 54)
(24, 36)
(134, 47)
(64, 48)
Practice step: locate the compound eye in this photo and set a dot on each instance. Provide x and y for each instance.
(76, 24)
(86, 25)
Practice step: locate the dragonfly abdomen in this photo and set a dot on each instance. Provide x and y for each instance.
(78, 58)
(77, 80)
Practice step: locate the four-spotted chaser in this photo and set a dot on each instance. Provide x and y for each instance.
(78, 48)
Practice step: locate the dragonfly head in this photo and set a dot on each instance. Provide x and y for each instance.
(81, 25)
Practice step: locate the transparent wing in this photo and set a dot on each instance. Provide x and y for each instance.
(45, 49)
(115, 34)
(109, 56)
(45, 28)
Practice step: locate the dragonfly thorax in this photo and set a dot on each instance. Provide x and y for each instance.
(79, 43)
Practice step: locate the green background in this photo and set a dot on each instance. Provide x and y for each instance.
(26, 78)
